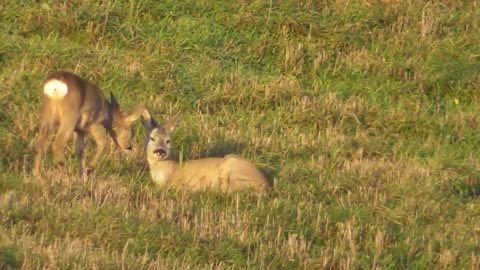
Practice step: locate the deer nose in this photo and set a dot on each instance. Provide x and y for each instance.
(160, 153)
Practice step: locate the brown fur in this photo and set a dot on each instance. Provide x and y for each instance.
(229, 173)
(83, 110)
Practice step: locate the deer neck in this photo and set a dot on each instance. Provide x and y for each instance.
(111, 120)
(108, 123)
(163, 171)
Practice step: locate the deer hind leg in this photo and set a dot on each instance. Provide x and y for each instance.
(224, 180)
(58, 147)
(40, 147)
(100, 137)
(80, 145)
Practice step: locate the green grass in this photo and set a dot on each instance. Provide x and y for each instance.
(364, 114)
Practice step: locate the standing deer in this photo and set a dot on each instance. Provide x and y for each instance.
(229, 173)
(76, 105)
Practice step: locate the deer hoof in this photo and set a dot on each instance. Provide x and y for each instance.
(89, 170)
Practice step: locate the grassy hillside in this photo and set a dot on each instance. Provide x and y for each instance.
(364, 114)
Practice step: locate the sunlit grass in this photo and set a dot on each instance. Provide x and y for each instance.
(363, 113)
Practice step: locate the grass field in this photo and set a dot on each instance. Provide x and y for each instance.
(364, 114)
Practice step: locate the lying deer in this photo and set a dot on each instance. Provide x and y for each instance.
(76, 105)
(230, 173)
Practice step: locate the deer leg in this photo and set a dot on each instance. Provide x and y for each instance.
(100, 137)
(39, 148)
(64, 133)
(80, 145)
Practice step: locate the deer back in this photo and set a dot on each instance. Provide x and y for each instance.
(68, 97)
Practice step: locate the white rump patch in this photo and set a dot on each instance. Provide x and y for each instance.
(55, 88)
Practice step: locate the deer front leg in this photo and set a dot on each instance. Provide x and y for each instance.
(100, 137)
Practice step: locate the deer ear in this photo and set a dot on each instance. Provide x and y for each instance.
(135, 113)
(170, 124)
(113, 102)
(147, 120)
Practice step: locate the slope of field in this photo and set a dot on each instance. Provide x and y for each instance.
(364, 114)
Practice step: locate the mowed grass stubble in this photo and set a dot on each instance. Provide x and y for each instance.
(364, 113)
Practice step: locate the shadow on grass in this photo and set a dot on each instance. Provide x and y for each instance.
(468, 188)
(10, 257)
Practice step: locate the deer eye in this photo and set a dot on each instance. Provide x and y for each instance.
(168, 141)
(152, 139)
